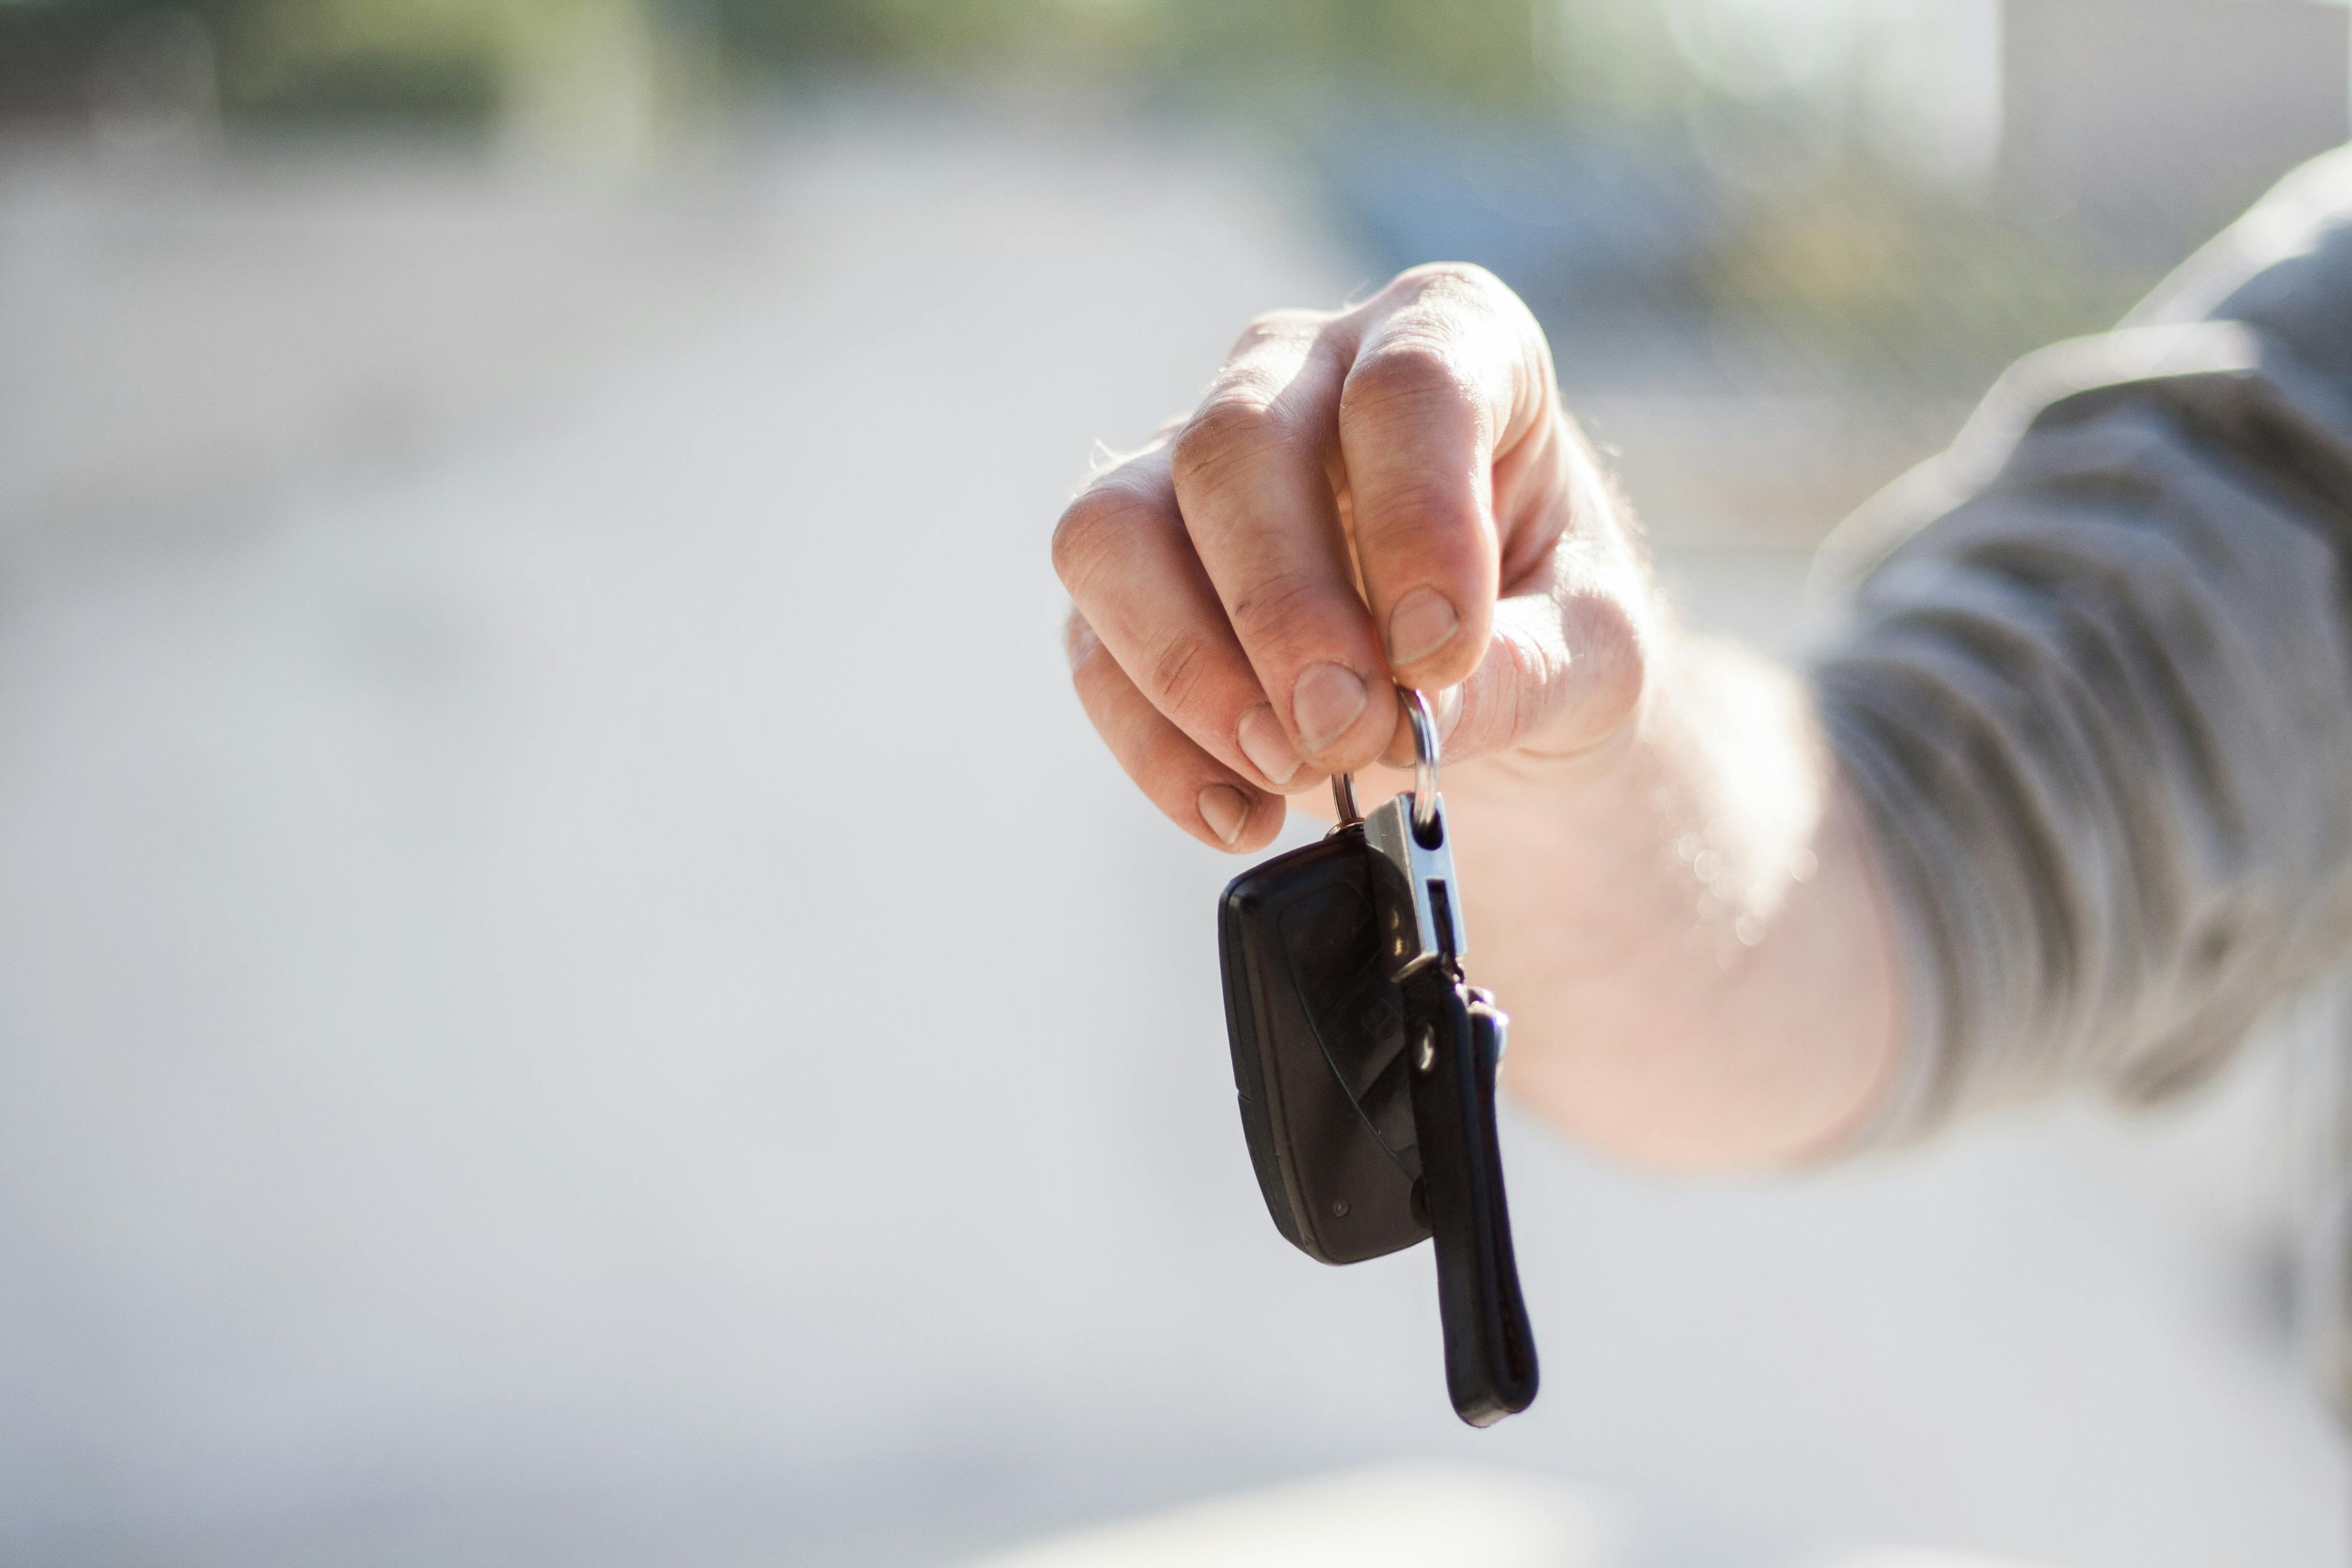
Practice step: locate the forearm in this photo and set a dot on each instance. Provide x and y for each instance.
(1685, 925)
(2091, 810)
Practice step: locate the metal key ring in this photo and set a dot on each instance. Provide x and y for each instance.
(1424, 758)
(1425, 768)
(1343, 798)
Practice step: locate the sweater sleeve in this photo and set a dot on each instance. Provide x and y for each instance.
(2094, 691)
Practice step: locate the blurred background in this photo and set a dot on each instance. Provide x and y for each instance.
(573, 987)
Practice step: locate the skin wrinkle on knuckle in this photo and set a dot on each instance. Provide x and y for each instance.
(1431, 531)
(1073, 539)
(1087, 538)
(1436, 515)
(1306, 403)
(1607, 644)
(1280, 614)
(1543, 690)
(1513, 703)
(1491, 336)
(1178, 670)
(1408, 370)
(1520, 690)
(1447, 284)
(1226, 436)
(1449, 287)
(1281, 326)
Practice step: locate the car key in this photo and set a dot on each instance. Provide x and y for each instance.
(1366, 1070)
(1316, 1026)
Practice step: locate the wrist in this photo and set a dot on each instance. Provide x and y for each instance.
(1683, 923)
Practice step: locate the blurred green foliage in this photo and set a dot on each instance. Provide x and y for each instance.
(1847, 258)
(426, 62)
(1470, 52)
(458, 57)
(419, 61)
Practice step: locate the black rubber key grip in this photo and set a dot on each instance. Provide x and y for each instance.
(1490, 1350)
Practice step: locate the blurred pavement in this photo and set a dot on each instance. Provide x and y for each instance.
(576, 988)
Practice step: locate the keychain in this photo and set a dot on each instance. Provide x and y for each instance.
(1365, 1065)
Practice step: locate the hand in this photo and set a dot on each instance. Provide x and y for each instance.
(1416, 443)
(1659, 865)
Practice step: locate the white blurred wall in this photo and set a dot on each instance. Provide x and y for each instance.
(2158, 120)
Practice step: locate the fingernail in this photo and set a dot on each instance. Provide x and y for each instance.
(1324, 702)
(1422, 623)
(1266, 747)
(1449, 712)
(1224, 809)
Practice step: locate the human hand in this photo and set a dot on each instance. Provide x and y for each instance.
(1387, 493)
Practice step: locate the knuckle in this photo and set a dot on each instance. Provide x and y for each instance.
(1430, 519)
(1233, 426)
(1471, 311)
(1611, 642)
(1079, 537)
(1277, 326)
(1441, 285)
(1415, 368)
(1090, 529)
(1278, 610)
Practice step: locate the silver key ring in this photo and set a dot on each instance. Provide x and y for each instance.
(1425, 768)
(1343, 797)
(1424, 758)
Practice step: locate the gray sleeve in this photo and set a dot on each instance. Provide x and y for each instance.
(2096, 691)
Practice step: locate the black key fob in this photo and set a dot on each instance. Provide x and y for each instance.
(1366, 1064)
(1316, 1027)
